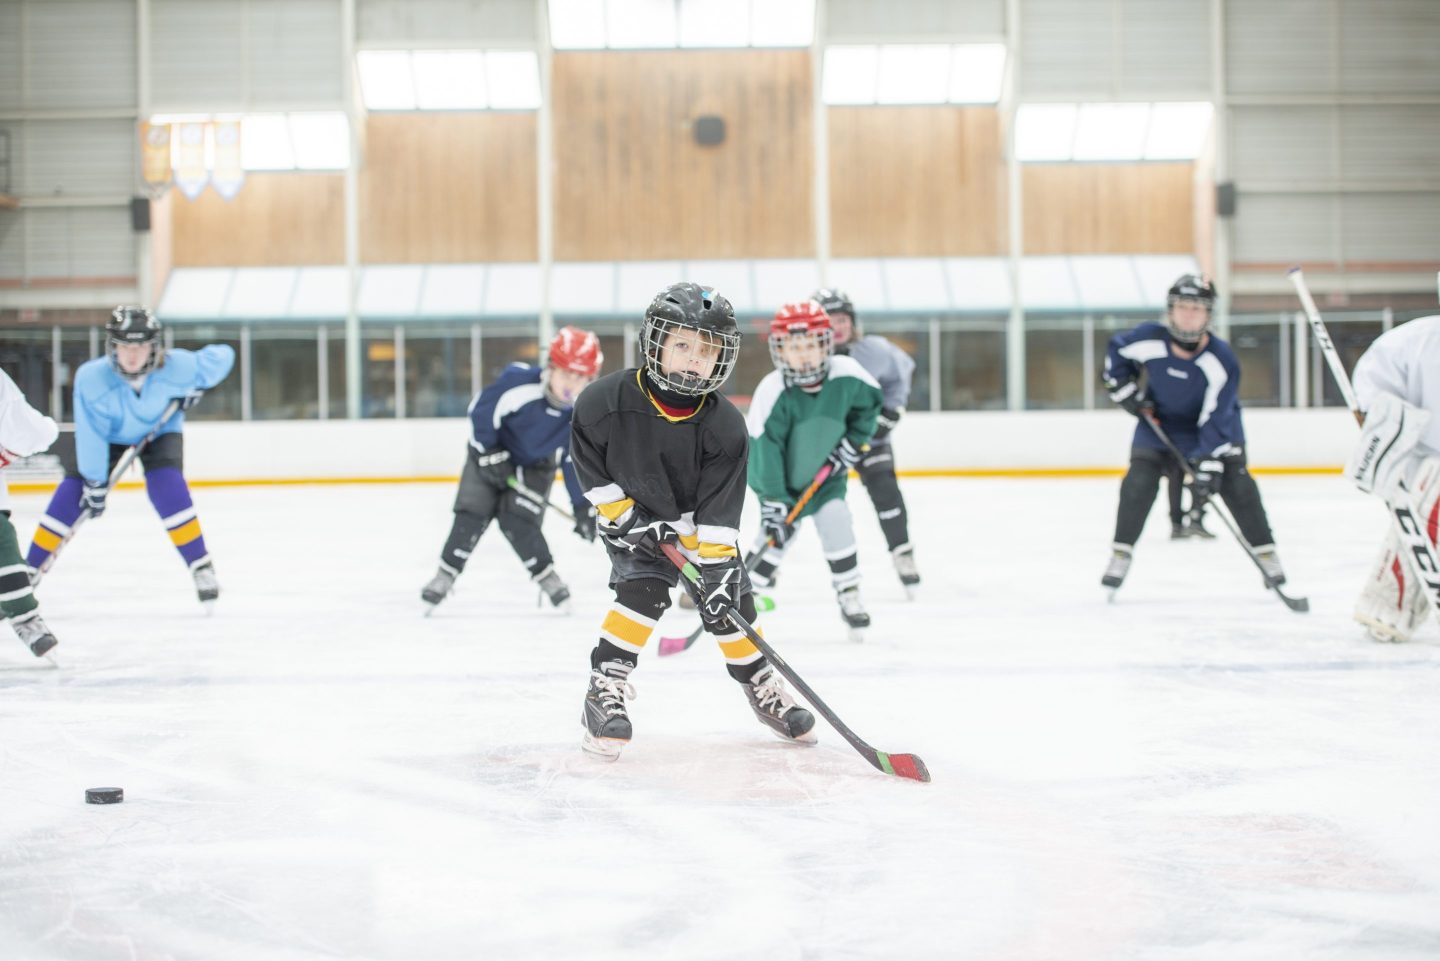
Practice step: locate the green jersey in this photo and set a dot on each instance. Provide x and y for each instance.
(793, 430)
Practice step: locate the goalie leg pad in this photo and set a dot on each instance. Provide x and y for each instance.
(1394, 601)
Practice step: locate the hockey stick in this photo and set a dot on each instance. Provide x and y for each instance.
(534, 498)
(674, 645)
(123, 464)
(900, 765)
(1402, 508)
(1297, 604)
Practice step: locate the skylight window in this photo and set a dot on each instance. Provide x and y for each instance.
(1111, 131)
(449, 79)
(914, 73)
(666, 24)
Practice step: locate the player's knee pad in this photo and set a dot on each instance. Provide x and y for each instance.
(649, 596)
(882, 483)
(518, 512)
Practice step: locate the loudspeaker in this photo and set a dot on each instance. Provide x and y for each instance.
(1225, 199)
(140, 214)
(709, 130)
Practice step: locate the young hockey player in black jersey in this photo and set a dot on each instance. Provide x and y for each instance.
(893, 369)
(1193, 382)
(661, 454)
(518, 426)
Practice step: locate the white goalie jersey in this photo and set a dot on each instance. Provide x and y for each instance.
(1405, 362)
(23, 430)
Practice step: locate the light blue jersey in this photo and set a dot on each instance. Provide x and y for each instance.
(109, 411)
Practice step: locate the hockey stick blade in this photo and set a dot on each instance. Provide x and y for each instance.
(900, 765)
(1300, 605)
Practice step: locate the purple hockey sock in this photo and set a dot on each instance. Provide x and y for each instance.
(171, 497)
(62, 512)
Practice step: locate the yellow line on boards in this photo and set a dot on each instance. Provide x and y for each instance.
(977, 472)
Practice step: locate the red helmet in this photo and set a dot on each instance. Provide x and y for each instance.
(577, 351)
(802, 318)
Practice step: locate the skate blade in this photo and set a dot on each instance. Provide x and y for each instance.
(604, 748)
(910, 592)
(209, 607)
(856, 635)
(429, 609)
(1110, 594)
(807, 739)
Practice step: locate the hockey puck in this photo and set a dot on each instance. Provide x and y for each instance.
(104, 795)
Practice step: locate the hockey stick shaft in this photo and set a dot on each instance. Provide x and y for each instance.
(121, 466)
(1299, 604)
(514, 483)
(1402, 508)
(1327, 346)
(674, 645)
(900, 765)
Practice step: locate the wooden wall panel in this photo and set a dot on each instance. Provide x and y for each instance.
(449, 188)
(1109, 208)
(632, 184)
(277, 219)
(916, 182)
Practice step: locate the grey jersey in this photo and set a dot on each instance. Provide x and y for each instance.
(888, 364)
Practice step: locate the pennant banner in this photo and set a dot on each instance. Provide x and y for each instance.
(155, 167)
(191, 173)
(228, 173)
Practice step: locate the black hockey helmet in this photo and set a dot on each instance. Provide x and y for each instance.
(133, 325)
(1192, 289)
(701, 310)
(836, 301)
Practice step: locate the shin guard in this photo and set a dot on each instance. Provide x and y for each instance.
(170, 496)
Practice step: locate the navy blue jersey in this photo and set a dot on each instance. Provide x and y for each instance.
(1197, 400)
(514, 414)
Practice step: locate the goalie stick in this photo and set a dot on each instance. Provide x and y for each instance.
(900, 765)
(1407, 518)
(1297, 604)
(123, 464)
(674, 645)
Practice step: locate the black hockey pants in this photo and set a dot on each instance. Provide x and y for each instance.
(481, 500)
(1142, 481)
(877, 473)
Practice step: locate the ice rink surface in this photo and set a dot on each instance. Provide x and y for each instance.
(317, 772)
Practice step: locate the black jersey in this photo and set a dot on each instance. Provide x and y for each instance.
(688, 472)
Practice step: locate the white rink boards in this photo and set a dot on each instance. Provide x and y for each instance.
(317, 771)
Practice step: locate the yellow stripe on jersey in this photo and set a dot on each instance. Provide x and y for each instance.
(614, 509)
(691, 542)
(622, 628)
(186, 532)
(716, 550)
(661, 410)
(46, 538)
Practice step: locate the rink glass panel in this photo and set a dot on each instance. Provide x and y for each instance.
(26, 356)
(438, 370)
(285, 372)
(972, 364)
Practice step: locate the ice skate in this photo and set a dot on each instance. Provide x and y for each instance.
(553, 588)
(904, 558)
(773, 706)
(1119, 566)
(34, 634)
(438, 589)
(1178, 531)
(607, 725)
(853, 611)
(1270, 565)
(207, 586)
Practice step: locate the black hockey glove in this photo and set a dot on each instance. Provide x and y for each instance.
(585, 522)
(495, 467)
(93, 498)
(845, 456)
(719, 592)
(772, 522)
(191, 398)
(885, 423)
(1205, 482)
(637, 532)
(1127, 395)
